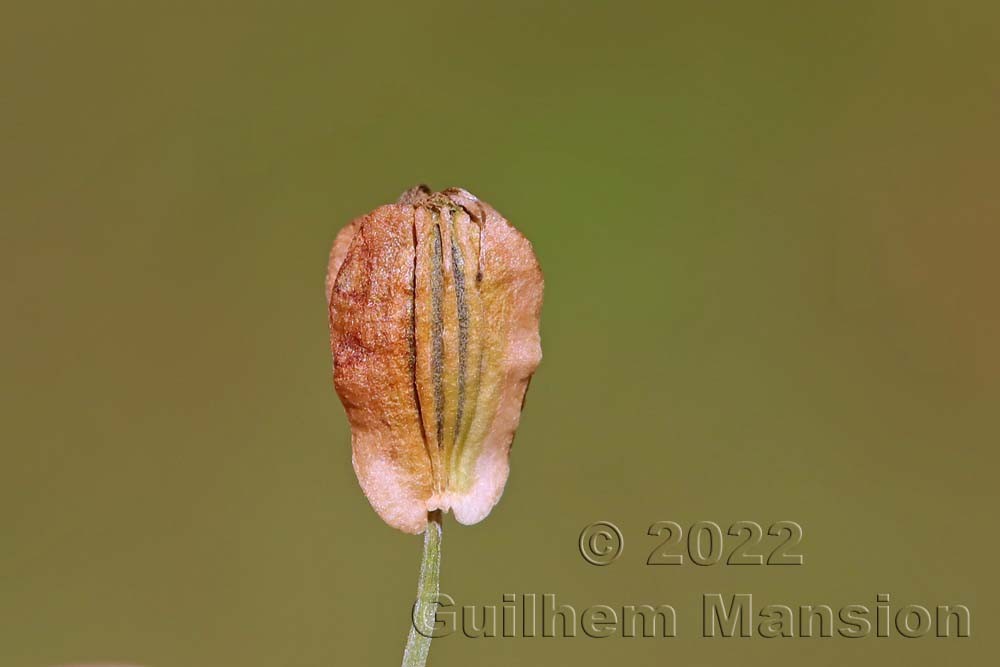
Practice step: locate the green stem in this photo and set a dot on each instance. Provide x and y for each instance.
(418, 643)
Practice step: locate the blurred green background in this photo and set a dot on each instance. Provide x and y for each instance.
(769, 233)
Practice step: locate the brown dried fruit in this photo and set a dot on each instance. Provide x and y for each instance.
(434, 307)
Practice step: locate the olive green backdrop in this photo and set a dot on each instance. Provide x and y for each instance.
(769, 233)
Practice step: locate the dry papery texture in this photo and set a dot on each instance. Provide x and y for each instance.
(434, 311)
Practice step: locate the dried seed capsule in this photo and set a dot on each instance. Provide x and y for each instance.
(434, 307)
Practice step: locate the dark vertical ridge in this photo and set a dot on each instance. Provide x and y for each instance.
(458, 266)
(437, 332)
(413, 342)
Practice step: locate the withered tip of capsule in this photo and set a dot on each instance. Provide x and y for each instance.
(434, 306)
